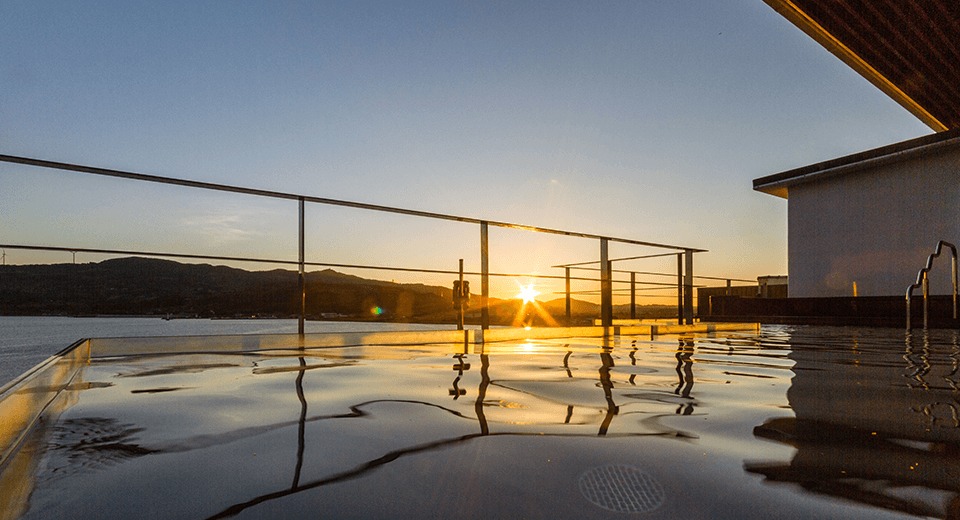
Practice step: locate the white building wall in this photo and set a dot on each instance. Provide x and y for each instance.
(874, 227)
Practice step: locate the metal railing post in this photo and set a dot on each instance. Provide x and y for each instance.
(679, 288)
(460, 299)
(301, 284)
(484, 277)
(633, 295)
(606, 286)
(688, 287)
(567, 271)
(954, 276)
(924, 283)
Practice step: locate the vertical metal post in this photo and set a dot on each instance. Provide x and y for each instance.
(567, 271)
(300, 279)
(954, 277)
(679, 288)
(688, 287)
(606, 286)
(926, 292)
(460, 300)
(484, 277)
(727, 291)
(633, 295)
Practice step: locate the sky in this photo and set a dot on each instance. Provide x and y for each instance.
(645, 120)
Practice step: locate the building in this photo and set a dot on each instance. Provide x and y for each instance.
(863, 225)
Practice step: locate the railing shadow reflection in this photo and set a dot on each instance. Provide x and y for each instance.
(572, 392)
(685, 373)
(606, 383)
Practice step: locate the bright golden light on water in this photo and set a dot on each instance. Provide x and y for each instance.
(528, 293)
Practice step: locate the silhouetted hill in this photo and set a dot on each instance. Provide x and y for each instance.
(149, 286)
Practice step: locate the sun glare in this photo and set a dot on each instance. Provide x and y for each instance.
(528, 293)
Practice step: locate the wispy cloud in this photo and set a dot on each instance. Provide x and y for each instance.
(220, 228)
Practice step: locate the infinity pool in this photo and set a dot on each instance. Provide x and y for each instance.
(790, 422)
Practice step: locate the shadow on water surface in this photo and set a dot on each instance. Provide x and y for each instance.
(876, 422)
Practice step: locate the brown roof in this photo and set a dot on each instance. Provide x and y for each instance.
(910, 49)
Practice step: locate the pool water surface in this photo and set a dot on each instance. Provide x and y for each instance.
(790, 422)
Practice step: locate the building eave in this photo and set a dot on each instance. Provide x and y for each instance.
(779, 184)
(906, 48)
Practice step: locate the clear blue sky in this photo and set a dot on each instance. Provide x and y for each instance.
(639, 119)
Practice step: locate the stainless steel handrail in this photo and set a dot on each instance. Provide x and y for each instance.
(651, 273)
(924, 283)
(323, 200)
(606, 281)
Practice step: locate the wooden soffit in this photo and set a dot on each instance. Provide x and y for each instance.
(910, 49)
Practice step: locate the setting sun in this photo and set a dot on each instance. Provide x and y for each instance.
(528, 293)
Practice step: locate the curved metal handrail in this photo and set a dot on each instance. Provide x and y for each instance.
(923, 282)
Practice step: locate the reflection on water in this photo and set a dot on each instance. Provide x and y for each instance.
(876, 422)
(826, 422)
(685, 373)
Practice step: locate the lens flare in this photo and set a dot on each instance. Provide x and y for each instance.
(528, 293)
(531, 310)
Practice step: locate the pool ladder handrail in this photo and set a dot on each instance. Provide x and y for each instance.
(924, 283)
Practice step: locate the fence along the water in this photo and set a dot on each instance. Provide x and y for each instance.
(605, 279)
(684, 284)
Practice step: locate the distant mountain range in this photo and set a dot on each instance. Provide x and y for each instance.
(148, 286)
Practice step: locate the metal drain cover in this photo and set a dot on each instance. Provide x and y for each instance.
(621, 488)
